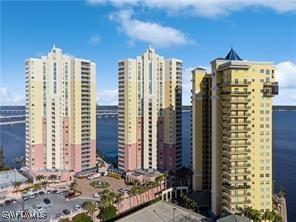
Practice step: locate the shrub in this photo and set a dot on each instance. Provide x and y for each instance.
(116, 176)
(100, 184)
(82, 217)
(108, 213)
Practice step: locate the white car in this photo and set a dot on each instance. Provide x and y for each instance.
(77, 207)
(97, 195)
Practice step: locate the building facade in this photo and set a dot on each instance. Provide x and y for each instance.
(150, 113)
(201, 130)
(60, 114)
(241, 133)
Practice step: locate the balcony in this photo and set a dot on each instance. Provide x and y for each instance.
(239, 187)
(270, 89)
(230, 151)
(231, 173)
(227, 165)
(235, 83)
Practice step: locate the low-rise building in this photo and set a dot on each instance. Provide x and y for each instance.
(143, 176)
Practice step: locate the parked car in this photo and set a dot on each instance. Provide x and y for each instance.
(39, 208)
(48, 192)
(96, 195)
(32, 196)
(66, 211)
(13, 200)
(7, 202)
(41, 193)
(77, 207)
(54, 191)
(25, 197)
(47, 201)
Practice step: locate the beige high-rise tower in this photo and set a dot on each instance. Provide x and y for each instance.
(60, 114)
(241, 133)
(150, 113)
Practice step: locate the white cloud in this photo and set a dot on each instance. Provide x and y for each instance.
(286, 76)
(107, 97)
(7, 97)
(149, 32)
(95, 39)
(204, 8)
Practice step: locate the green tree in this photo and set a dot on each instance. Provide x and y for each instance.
(39, 177)
(119, 197)
(267, 216)
(82, 217)
(276, 217)
(30, 181)
(17, 185)
(64, 220)
(52, 177)
(44, 184)
(73, 186)
(90, 207)
(251, 213)
(108, 213)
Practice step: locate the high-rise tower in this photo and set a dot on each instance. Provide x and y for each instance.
(241, 133)
(150, 113)
(60, 114)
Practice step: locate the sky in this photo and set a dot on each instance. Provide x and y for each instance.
(105, 31)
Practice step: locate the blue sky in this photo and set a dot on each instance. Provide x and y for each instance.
(105, 31)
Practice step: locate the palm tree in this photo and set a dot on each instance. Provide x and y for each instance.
(44, 184)
(119, 197)
(17, 185)
(73, 186)
(90, 207)
(30, 181)
(276, 217)
(39, 177)
(52, 177)
(267, 215)
(251, 213)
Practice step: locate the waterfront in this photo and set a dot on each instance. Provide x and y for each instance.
(284, 147)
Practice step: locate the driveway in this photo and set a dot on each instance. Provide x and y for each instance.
(87, 190)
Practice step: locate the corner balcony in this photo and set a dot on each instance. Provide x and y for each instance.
(270, 89)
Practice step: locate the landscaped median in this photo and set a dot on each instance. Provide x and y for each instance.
(99, 184)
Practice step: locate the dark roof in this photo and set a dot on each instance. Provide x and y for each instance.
(232, 55)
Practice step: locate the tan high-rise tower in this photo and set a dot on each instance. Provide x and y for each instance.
(150, 113)
(60, 114)
(241, 133)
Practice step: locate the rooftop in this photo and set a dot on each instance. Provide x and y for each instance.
(163, 211)
(147, 173)
(232, 55)
(234, 218)
(8, 178)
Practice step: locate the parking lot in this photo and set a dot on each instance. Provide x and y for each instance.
(53, 210)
